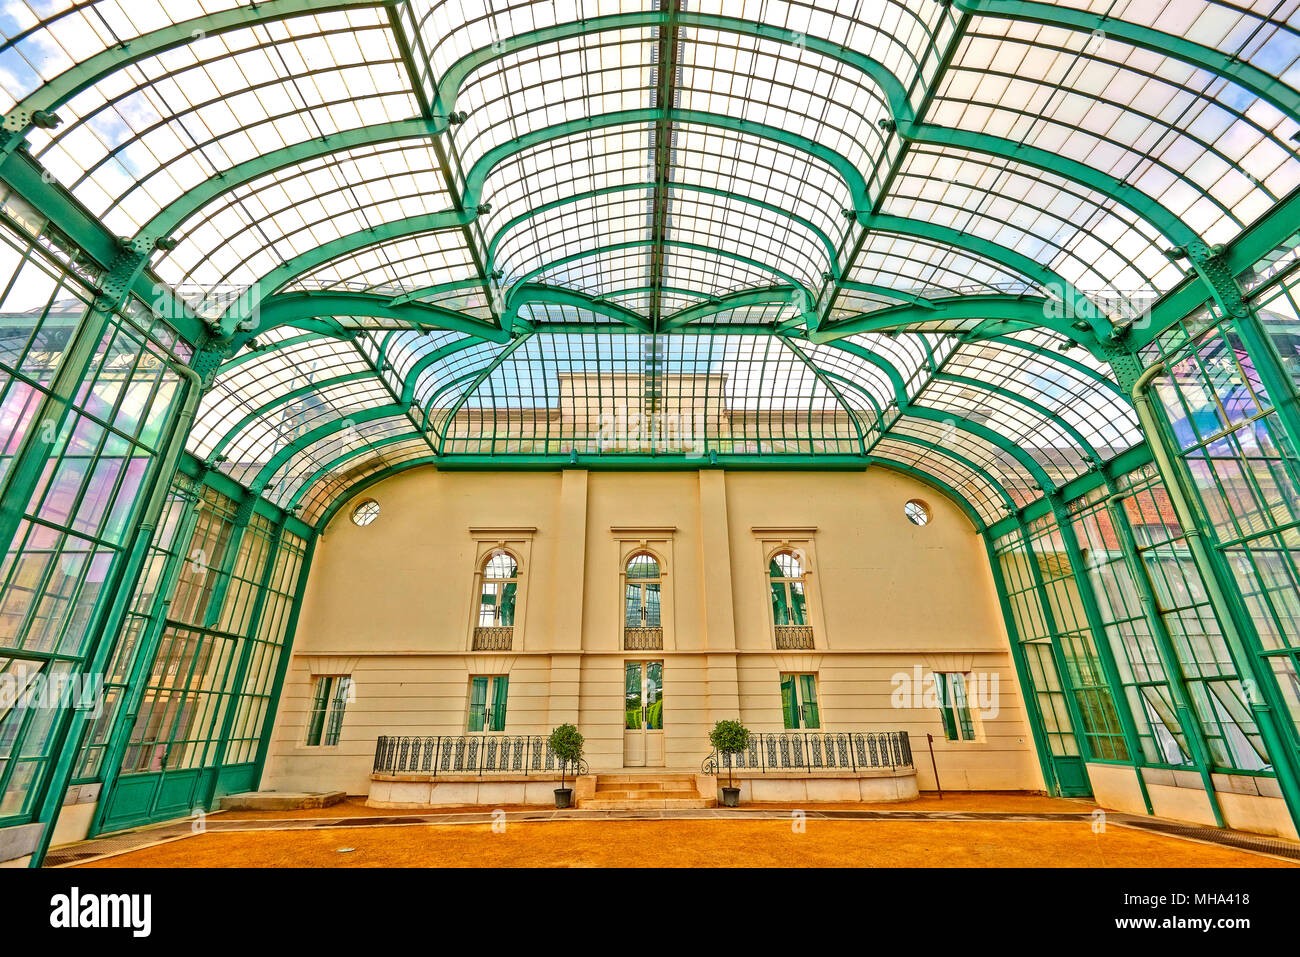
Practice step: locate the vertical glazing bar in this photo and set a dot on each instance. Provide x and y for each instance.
(1101, 642)
(1028, 695)
(1192, 730)
(1262, 693)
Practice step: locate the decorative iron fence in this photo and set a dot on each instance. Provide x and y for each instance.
(643, 639)
(468, 754)
(794, 637)
(815, 750)
(493, 638)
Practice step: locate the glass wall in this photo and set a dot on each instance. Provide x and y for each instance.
(76, 463)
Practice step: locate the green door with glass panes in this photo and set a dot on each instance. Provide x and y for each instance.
(799, 702)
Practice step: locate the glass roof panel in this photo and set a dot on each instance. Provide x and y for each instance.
(652, 212)
(143, 137)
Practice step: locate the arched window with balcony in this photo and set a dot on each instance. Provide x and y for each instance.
(496, 607)
(642, 603)
(789, 601)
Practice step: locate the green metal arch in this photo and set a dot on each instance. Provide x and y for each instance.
(282, 399)
(960, 459)
(1026, 312)
(995, 439)
(286, 454)
(473, 386)
(1248, 77)
(934, 482)
(1028, 403)
(192, 201)
(832, 252)
(80, 77)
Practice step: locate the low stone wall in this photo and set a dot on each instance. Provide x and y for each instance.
(786, 787)
(469, 790)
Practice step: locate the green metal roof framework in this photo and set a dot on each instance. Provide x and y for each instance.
(420, 232)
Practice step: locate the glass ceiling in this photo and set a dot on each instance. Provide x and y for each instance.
(698, 230)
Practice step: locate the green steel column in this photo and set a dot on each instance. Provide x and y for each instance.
(1277, 382)
(1058, 653)
(1262, 693)
(1022, 673)
(1101, 641)
(147, 649)
(30, 459)
(70, 726)
(241, 669)
(1168, 654)
(282, 666)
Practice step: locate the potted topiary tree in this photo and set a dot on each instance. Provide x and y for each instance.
(567, 743)
(728, 738)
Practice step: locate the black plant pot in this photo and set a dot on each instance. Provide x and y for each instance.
(731, 797)
(563, 797)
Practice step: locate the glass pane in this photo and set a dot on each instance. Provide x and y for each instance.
(654, 696)
(632, 695)
(808, 691)
(477, 703)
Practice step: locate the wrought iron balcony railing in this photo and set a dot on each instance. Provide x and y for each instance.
(493, 638)
(817, 750)
(468, 754)
(643, 639)
(794, 637)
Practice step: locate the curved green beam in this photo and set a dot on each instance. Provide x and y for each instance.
(193, 200)
(1252, 79)
(905, 407)
(961, 460)
(286, 454)
(938, 484)
(832, 251)
(873, 288)
(287, 308)
(340, 460)
(247, 308)
(283, 399)
(558, 295)
(857, 388)
(1059, 357)
(891, 88)
(1028, 403)
(514, 298)
(1022, 311)
(369, 481)
(472, 388)
(996, 439)
(238, 360)
(735, 300)
(831, 388)
(76, 79)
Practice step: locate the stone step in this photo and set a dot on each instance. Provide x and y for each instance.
(644, 780)
(635, 785)
(623, 804)
(663, 794)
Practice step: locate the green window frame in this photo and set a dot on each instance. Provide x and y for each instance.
(789, 590)
(954, 705)
(799, 707)
(488, 695)
(500, 587)
(328, 705)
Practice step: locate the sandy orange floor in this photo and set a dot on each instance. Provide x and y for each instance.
(695, 844)
(965, 801)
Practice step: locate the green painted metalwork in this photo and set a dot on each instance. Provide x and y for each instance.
(1266, 87)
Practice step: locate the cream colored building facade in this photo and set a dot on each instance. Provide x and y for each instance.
(393, 606)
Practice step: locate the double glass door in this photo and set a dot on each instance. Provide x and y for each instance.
(643, 715)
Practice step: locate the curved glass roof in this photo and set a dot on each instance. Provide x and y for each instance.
(662, 231)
